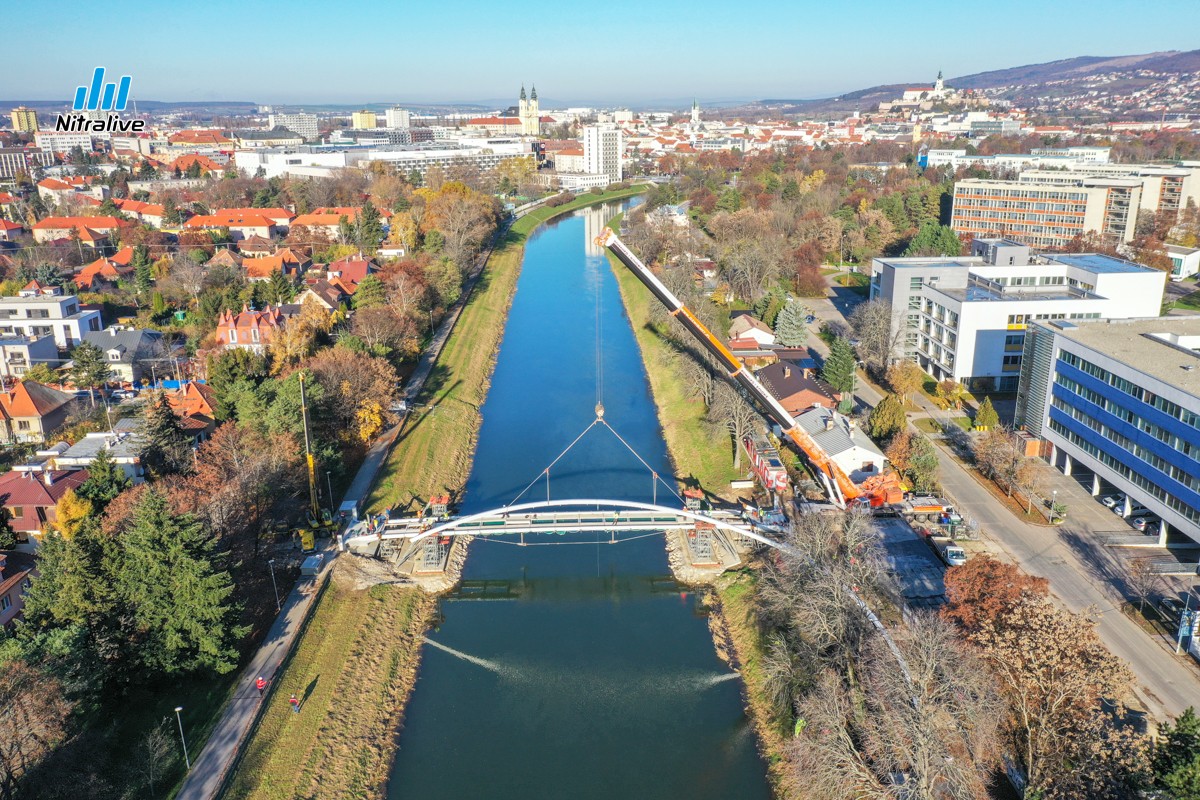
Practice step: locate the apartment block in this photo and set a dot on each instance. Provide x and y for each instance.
(1122, 399)
(1047, 215)
(965, 317)
(602, 151)
(303, 124)
(1165, 188)
(363, 120)
(47, 313)
(24, 120)
(397, 117)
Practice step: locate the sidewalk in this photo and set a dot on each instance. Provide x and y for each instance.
(1082, 573)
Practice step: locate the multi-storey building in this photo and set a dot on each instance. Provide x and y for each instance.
(18, 160)
(1047, 215)
(24, 120)
(363, 120)
(1165, 188)
(317, 161)
(1121, 398)
(47, 312)
(397, 117)
(19, 353)
(965, 317)
(301, 123)
(602, 151)
(1057, 157)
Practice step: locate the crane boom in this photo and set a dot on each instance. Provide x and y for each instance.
(840, 487)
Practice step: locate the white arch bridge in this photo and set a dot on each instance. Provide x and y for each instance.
(559, 516)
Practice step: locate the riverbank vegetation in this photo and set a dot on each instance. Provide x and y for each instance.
(433, 452)
(353, 670)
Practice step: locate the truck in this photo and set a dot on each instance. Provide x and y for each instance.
(765, 460)
(946, 549)
(924, 508)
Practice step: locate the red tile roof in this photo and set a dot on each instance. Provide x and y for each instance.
(28, 489)
(95, 223)
(225, 220)
(31, 399)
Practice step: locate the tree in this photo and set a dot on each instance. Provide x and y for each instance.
(168, 449)
(8, 537)
(106, 479)
(33, 720)
(950, 392)
(369, 228)
(1176, 762)
(790, 327)
(839, 371)
(70, 512)
(923, 464)
(986, 418)
(90, 368)
(178, 598)
(41, 373)
(905, 378)
(171, 215)
(370, 292)
(934, 240)
(879, 331)
(731, 409)
(887, 418)
(986, 590)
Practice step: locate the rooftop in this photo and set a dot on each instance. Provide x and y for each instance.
(1096, 262)
(1165, 348)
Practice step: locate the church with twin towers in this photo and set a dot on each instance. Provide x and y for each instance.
(529, 114)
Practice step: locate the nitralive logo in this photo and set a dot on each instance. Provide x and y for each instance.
(103, 97)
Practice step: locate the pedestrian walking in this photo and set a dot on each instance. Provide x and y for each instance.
(261, 685)
(295, 703)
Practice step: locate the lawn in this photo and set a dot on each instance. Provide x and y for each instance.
(353, 668)
(929, 425)
(434, 450)
(1191, 302)
(700, 451)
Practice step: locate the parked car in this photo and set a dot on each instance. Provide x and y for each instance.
(1112, 500)
(1153, 528)
(1142, 522)
(810, 319)
(1171, 608)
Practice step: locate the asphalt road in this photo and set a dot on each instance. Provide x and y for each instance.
(1082, 573)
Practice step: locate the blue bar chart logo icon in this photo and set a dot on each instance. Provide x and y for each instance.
(100, 95)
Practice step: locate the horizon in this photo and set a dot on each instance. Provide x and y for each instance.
(485, 61)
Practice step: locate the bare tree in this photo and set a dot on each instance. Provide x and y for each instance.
(731, 408)
(154, 754)
(1143, 580)
(880, 331)
(828, 762)
(33, 716)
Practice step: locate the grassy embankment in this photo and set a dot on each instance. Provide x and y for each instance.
(699, 449)
(735, 593)
(433, 453)
(353, 670)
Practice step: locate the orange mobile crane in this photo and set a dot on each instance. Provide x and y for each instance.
(877, 491)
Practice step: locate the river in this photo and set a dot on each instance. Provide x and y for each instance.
(577, 671)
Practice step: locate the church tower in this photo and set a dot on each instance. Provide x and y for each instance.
(939, 85)
(529, 113)
(695, 114)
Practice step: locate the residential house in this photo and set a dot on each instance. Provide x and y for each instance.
(225, 257)
(9, 230)
(351, 270)
(845, 444)
(256, 247)
(746, 326)
(90, 229)
(796, 388)
(124, 448)
(286, 262)
(58, 191)
(19, 353)
(200, 137)
(329, 296)
(31, 412)
(146, 213)
(46, 311)
(207, 165)
(241, 226)
(30, 499)
(125, 349)
(195, 404)
(15, 571)
(250, 329)
(105, 272)
(280, 217)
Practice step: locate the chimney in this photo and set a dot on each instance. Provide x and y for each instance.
(829, 423)
(787, 372)
(48, 476)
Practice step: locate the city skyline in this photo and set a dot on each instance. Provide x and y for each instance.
(498, 50)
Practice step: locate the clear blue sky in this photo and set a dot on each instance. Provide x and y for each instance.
(621, 51)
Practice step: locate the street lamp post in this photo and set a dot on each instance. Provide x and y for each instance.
(1053, 505)
(275, 586)
(186, 759)
(329, 486)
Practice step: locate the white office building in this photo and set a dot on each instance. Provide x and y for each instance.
(602, 148)
(324, 161)
(1165, 188)
(48, 313)
(965, 317)
(301, 123)
(1121, 398)
(1041, 157)
(397, 117)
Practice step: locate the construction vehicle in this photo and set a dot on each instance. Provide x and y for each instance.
(929, 509)
(767, 464)
(877, 491)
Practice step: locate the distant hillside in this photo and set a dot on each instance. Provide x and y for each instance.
(1169, 61)
(1031, 78)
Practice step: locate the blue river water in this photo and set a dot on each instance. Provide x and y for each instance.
(579, 670)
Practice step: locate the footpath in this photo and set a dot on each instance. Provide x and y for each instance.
(1082, 574)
